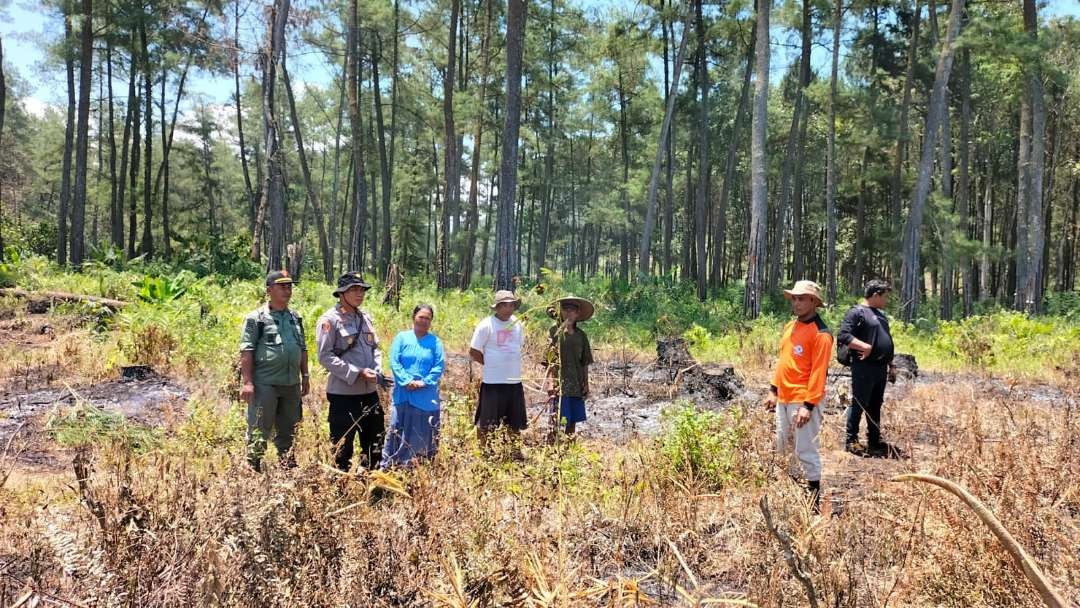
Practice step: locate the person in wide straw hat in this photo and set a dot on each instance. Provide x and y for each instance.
(797, 393)
(496, 344)
(568, 358)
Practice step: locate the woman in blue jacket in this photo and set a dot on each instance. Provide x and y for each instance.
(416, 358)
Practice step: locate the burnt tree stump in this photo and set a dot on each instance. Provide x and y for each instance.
(906, 367)
(717, 381)
(673, 352)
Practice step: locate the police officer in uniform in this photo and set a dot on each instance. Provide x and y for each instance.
(274, 371)
(349, 350)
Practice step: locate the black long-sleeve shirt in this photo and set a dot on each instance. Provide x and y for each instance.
(871, 326)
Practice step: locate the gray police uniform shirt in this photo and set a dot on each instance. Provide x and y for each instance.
(347, 344)
(276, 338)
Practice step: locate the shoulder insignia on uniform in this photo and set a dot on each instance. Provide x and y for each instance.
(326, 326)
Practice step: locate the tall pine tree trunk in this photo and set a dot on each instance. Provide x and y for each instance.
(69, 146)
(252, 196)
(700, 221)
(146, 247)
(133, 169)
(3, 108)
(453, 184)
(86, 62)
(644, 254)
(669, 153)
(911, 273)
(791, 162)
(755, 263)
(116, 199)
(830, 154)
(473, 212)
(1030, 274)
(274, 185)
(385, 170)
(730, 164)
(900, 155)
(507, 254)
(985, 284)
(963, 190)
(312, 193)
(359, 183)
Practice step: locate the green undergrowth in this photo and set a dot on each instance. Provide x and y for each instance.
(187, 323)
(86, 425)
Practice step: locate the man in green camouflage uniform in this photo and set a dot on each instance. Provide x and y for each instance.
(274, 370)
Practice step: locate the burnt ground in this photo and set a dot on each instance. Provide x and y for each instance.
(32, 392)
(630, 394)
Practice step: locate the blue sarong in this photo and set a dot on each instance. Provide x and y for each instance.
(411, 433)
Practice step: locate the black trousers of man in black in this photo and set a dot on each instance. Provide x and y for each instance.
(356, 415)
(867, 394)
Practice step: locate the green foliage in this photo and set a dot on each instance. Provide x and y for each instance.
(158, 290)
(1000, 342)
(703, 445)
(86, 425)
(206, 429)
(1064, 304)
(8, 270)
(204, 256)
(29, 238)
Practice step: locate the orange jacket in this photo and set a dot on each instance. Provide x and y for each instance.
(805, 352)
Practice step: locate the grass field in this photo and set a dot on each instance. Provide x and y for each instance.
(131, 516)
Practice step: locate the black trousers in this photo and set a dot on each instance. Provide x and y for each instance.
(353, 415)
(867, 394)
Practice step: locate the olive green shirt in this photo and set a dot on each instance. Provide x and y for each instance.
(277, 339)
(571, 360)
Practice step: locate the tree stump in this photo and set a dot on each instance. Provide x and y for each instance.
(136, 372)
(906, 367)
(392, 295)
(294, 259)
(717, 381)
(673, 352)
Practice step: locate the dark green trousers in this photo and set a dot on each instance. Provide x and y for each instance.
(275, 412)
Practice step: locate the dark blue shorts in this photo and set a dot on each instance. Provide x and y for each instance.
(571, 409)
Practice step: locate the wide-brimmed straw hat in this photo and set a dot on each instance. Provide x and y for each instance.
(585, 307)
(806, 288)
(504, 296)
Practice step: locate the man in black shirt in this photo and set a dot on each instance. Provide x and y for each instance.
(865, 331)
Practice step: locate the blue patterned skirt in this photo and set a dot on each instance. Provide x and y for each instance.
(411, 433)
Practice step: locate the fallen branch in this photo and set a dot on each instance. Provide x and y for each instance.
(48, 299)
(1030, 569)
(790, 557)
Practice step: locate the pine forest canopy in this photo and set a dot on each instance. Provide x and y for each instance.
(742, 143)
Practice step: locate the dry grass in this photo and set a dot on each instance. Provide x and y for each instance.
(589, 524)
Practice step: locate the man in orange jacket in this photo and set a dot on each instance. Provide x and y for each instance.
(797, 393)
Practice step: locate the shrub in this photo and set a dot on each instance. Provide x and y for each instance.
(702, 444)
(86, 425)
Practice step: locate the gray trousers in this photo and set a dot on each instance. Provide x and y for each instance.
(806, 440)
(274, 411)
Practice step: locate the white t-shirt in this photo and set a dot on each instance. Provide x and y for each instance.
(501, 344)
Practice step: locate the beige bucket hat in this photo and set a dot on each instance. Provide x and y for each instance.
(806, 288)
(505, 295)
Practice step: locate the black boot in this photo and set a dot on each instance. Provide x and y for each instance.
(852, 446)
(814, 489)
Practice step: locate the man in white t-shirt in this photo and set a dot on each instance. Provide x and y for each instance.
(496, 344)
